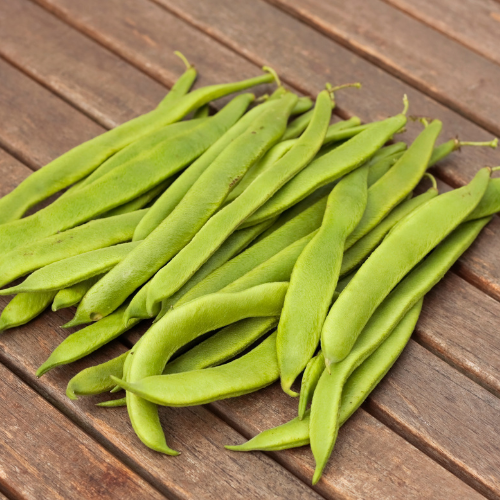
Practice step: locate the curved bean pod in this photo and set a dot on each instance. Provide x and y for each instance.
(189, 322)
(357, 388)
(490, 202)
(23, 308)
(251, 372)
(237, 242)
(90, 236)
(82, 160)
(330, 166)
(164, 206)
(406, 244)
(67, 272)
(314, 278)
(312, 373)
(72, 295)
(96, 379)
(399, 182)
(365, 245)
(303, 105)
(87, 340)
(326, 402)
(169, 279)
(201, 201)
(124, 182)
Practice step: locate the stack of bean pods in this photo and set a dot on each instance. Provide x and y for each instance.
(261, 244)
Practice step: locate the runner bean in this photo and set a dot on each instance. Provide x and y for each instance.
(90, 236)
(72, 295)
(23, 308)
(406, 244)
(202, 200)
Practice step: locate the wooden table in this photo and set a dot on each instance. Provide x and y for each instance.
(71, 69)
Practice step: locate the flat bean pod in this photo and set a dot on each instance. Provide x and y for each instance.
(124, 182)
(312, 373)
(490, 202)
(314, 278)
(164, 206)
(330, 166)
(23, 308)
(82, 160)
(251, 372)
(296, 228)
(90, 236)
(96, 379)
(356, 254)
(406, 295)
(201, 201)
(399, 182)
(72, 295)
(406, 244)
(357, 388)
(222, 345)
(178, 271)
(237, 242)
(87, 340)
(73, 270)
(185, 324)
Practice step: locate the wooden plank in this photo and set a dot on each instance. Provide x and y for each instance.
(445, 414)
(44, 455)
(368, 461)
(435, 64)
(146, 35)
(474, 23)
(35, 125)
(204, 469)
(460, 324)
(12, 172)
(100, 84)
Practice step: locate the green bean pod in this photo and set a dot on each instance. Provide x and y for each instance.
(23, 308)
(490, 202)
(356, 389)
(202, 200)
(251, 372)
(356, 254)
(141, 201)
(182, 86)
(314, 278)
(331, 166)
(312, 373)
(406, 244)
(124, 182)
(189, 322)
(90, 236)
(72, 295)
(87, 340)
(73, 270)
(82, 160)
(203, 112)
(96, 379)
(324, 410)
(303, 105)
(296, 228)
(169, 279)
(164, 206)
(237, 242)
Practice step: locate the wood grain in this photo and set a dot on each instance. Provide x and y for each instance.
(474, 23)
(460, 324)
(204, 469)
(44, 455)
(12, 172)
(36, 126)
(435, 64)
(445, 414)
(368, 461)
(73, 66)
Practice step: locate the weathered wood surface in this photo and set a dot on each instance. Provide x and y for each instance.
(474, 23)
(43, 103)
(45, 455)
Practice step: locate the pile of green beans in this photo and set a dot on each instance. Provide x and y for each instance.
(262, 243)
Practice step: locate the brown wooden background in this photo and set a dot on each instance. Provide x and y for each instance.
(69, 69)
